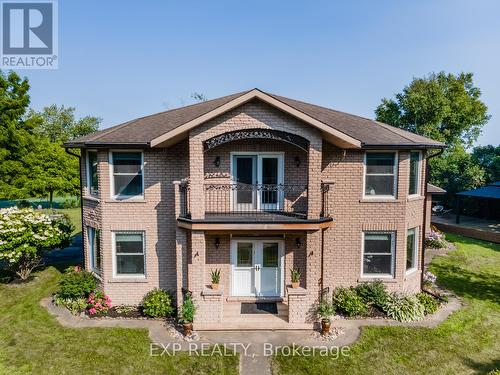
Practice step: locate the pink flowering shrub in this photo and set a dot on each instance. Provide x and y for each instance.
(435, 239)
(98, 303)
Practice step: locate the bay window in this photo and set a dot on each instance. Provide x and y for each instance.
(378, 253)
(411, 249)
(414, 185)
(92, 179)
(380, 174)
(94, 240)
(127, 174)
(129, 253)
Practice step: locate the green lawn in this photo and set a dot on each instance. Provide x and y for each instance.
(468, 342)
(75, 214)
(32, 342)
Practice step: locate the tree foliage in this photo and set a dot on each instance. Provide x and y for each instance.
(488, 157)
(32, 161)
(447, 108)
(59, 125)
(444, 107)
(16, 139)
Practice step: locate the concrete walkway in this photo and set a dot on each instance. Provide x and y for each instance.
(254, 347)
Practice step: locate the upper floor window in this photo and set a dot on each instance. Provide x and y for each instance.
(92, 183)
(380, 174)
(94, 237)
(127, 170)
(378, 253)
(411, 249)
(414, 185)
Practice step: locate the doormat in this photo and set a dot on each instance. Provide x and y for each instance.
(259, 308)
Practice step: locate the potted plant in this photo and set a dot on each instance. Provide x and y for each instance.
(187, 315)
(325, 311)
(215, 274)
(295, 274)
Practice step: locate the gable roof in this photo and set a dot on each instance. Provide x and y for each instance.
(343, 129)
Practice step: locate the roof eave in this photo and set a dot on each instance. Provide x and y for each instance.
(405, 146)
(96, 144)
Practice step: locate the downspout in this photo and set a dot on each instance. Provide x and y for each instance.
(81, 190)
(422, 256)
(322, 262)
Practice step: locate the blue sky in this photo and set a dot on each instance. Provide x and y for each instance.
(126, 59)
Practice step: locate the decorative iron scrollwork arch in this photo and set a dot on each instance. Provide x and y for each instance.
(237, 135)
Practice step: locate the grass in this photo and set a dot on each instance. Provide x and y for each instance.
(467, 342)
(32, 341)
(75, 215)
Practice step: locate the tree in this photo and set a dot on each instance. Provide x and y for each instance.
(16, 139)
(58, 124)
(447, 108)
(456, 171)
(199, 97)
(441, 106)
(26, 234)
(488, 157)
(52, 171)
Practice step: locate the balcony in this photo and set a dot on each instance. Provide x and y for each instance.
(263, 203)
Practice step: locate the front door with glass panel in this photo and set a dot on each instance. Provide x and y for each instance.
(257, 268)
(258, 179)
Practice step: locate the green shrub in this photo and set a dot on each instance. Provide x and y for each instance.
(403, 308)
(428, 302)
(76, 284)
(157, 303)
(373, 293)
(74, 305)
(188, 310)
(347, 301)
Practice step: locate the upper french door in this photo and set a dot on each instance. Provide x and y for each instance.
(257, 178)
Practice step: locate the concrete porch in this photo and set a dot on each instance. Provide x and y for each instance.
(233, 319)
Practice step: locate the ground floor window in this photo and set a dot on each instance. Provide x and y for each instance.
(94, 238)
(378, 253)
(412, 249)
(129, 253)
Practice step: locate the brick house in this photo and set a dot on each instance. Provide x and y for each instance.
(253, 184)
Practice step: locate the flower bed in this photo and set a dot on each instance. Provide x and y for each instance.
(371, 300)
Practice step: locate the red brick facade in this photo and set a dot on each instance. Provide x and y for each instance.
(180, 258)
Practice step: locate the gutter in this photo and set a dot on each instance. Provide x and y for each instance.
(81, 190)
(422, 256)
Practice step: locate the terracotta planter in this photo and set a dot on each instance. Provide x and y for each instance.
(215, 286)
(295, 285)
(188, 328)
(325, 327)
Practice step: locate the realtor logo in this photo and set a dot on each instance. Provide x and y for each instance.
(29, 35)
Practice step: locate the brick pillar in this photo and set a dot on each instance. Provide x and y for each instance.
(180, 249)
(196, 177)
(313, 273)
(196, 268)
(314, 179)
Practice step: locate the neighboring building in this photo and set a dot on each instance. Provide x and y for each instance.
(253, 184)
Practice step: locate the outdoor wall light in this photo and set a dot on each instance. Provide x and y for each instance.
(217, 242)
(298, 242)
(297, 161)
(217, 161)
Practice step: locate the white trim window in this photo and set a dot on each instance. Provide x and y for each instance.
(92, 176)
(94, 238)
(380, 174)
(412, 250)
(127, 174)
(415, 170)
(378, 254)
(129, 254)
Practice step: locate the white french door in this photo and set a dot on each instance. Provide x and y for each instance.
(257, 178)
(257, 267)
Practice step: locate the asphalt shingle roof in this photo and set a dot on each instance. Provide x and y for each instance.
(141, 131)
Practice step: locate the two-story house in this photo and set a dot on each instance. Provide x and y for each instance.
(253, 184)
